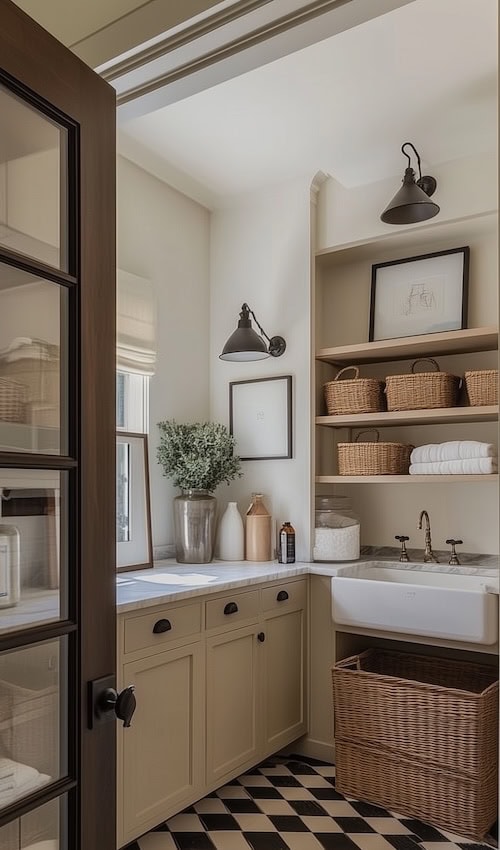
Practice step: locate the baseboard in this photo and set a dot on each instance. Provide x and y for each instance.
(311, 748)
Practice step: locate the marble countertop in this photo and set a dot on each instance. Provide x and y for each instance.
(169, 581)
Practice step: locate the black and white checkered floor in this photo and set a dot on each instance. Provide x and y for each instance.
(287, 804)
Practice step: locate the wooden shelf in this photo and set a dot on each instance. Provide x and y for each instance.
(407, 348)
(441, 415)
(405, 479)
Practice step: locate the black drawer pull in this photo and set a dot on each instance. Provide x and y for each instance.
(261, 637)
(161, 626)
(282, 596)
(231, 608)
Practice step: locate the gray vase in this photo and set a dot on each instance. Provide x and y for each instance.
(194, 527)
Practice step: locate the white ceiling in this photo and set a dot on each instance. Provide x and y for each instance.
(72, 20)
(425, 72)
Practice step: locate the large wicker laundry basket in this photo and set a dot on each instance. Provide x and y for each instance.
(419, 735)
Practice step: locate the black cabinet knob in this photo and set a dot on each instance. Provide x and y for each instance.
(231, 608)
(261, 637)
(282, 596)
(162, 626)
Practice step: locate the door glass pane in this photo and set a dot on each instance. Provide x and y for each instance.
(45, 824)
(33, 724)
(33, 363)
(33, 184)
(33, 547)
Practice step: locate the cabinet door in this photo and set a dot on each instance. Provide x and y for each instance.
(161, 754)
(284, 679)
(232, 701)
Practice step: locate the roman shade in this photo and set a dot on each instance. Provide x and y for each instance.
(135, 324)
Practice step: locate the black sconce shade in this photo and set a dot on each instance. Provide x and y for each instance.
(411, 203)
(245, 344)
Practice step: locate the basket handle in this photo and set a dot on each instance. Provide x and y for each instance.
(368, 431)
(424, 360)
(347, 369)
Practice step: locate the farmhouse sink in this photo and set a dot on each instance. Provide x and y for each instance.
(450, 606)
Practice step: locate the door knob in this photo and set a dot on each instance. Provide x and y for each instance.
(105, 703)
(123, 704)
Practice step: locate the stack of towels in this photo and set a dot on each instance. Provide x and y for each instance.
(18, 780)
(457, 457)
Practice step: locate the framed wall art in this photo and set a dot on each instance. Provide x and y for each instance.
(133, 510)
(419, 295)
(260, 417)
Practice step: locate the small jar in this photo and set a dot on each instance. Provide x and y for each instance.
(337, 530)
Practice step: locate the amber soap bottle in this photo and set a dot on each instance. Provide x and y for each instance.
(286, 544)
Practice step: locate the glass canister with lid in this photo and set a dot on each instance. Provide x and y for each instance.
(337, 530)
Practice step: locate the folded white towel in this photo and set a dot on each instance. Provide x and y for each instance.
(8, 797)
(452, 450)
(473, 466)
(13, 774)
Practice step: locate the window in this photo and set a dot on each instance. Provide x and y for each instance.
(132, 416)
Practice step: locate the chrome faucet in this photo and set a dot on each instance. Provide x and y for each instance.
(429, 556)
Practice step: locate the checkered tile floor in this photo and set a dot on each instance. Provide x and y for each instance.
(287, 804)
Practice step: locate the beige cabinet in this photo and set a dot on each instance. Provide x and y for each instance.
(233, 667)
(220, 683)
(256, 681)
(284, 696)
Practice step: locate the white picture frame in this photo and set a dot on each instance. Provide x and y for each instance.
(133, 511)
(260, 417)
(419, 295)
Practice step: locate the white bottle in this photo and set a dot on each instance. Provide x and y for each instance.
(9, 566)
(231, 534)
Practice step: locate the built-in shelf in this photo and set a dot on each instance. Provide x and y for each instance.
(405, 479)
(22, 437)
(407, 348)
(440, 415)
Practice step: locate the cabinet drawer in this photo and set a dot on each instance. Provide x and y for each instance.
(170, 624)
(290, 594)
(232, 609)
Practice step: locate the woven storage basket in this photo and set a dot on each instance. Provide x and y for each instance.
(482, 386)
(447, 799)
(354, 395)
(12, 400)
(440, 711)
(373, 458)
(422, 390)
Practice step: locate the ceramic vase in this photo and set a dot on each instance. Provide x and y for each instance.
(231, 534)
(258, 531)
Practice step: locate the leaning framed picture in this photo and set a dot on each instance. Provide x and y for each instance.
(260, 417)
(419, 295)
(133, 510)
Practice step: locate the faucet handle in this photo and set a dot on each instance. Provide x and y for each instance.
(403, 555)
(453, 555)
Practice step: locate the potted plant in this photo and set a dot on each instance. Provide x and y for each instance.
(198, 458)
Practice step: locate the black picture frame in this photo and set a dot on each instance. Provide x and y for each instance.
(453, 262)
(260, 417)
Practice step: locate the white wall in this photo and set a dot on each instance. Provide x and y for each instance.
(465, 187)
(260, 253)
(164, 237)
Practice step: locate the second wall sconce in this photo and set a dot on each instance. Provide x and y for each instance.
(411, 203)
(245, 344)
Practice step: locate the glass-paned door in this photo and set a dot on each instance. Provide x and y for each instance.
(57, 362)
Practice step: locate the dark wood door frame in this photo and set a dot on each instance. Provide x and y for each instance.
(38, 62)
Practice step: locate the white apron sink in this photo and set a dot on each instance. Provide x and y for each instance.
(449, 606)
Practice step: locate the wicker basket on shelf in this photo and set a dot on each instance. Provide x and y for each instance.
(422, 390)
(373, 458)
(428, 745)
(12, 400)
(482, 386)
(354, 395)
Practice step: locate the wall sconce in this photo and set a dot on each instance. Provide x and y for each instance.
(411, 204)
(246, 344)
